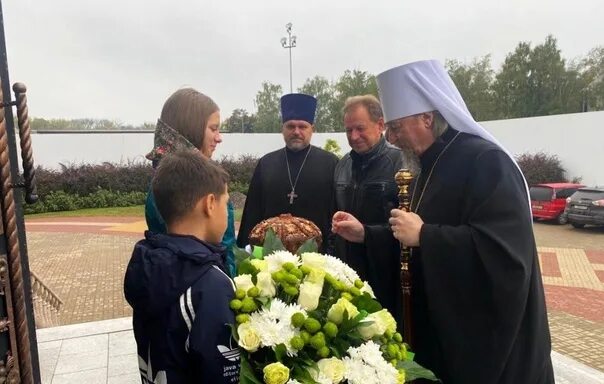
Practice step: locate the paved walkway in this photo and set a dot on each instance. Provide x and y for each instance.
(104, 352)
(83, 261)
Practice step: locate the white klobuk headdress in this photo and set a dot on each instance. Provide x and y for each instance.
(425, 86)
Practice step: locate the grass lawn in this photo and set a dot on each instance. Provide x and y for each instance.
(137, 210)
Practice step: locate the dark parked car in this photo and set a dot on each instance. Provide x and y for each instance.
(548, 201)
(586, 206)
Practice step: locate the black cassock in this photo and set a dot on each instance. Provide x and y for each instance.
(478, 305)
(270, 188)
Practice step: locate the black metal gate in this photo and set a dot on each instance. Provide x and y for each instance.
(18, 347)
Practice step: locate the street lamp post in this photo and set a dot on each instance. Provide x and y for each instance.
(289, 42)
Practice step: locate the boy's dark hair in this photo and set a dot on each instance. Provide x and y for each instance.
(182, 179)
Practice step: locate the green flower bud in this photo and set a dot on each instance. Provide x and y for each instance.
(330, 329)
(317, 341)
(346, 295)
(354, 291)
(358, 283)
(288, 266)
(331, 280)
(297, 272)
(240, 294)
(393, 362)
(249, 305)
(253, 292)
(292, 291)
(235, 304)
(398, 337)
(340, 286)
(391, 351)
(305, 336)
(242, 318)
(297, 342)
(278, 276)
(305, 269)
(389, 335)
(312, 325)
(291, 279)
(298, 319)
(323, 352)
(401, 356)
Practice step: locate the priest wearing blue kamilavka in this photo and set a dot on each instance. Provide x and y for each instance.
(296, 179)
(477, 299)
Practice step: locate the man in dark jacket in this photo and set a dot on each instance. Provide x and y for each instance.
(365, 188)
(177, 282)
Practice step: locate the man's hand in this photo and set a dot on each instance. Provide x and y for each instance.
(406, 227)
(347, 226)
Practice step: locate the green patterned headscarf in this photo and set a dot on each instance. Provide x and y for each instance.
(167, 140)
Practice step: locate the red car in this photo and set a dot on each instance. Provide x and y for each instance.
(549, 200)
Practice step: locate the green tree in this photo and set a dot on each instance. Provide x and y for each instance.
(267, 103)
(591, 72)
(332, 146)
(474, 82)
(351, 83)
(320, 88)
(535, 82)
(240, 121)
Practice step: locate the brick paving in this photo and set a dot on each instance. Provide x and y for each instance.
(87, 271)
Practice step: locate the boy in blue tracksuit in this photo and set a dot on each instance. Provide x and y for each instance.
(177, 283)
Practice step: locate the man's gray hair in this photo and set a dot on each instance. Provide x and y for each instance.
(439, 124)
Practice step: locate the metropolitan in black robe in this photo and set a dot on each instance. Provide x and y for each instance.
(478, 305)
(270, 188)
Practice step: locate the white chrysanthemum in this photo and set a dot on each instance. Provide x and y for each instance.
(276, 260)
(273, 323)
(367, 288)
(340, 270)
(365, 365)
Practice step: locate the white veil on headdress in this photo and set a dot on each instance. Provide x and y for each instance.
(425, 86)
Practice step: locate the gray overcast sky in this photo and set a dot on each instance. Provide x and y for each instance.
(121, 59)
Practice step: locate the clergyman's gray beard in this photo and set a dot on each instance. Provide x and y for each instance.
(411, 161)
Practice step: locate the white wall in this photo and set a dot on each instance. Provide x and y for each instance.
(578, 140)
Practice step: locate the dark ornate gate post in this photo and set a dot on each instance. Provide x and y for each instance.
(18, 346)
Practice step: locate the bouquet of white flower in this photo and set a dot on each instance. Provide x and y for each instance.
(308, 318)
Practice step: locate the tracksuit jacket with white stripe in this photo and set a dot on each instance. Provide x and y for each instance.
(180, 294)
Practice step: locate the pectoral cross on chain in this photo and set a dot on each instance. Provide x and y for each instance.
(292, 195)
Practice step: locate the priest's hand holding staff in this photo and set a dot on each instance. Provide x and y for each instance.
(406, 227)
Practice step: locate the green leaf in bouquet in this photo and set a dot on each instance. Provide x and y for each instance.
(366, 303)
(309, 245)
(240, 255)
(246, 374)
(280, 352)
(349, 324)
(246, 267)
(272, 243)
(415, 371)
(302, 375)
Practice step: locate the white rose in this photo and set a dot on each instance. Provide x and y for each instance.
(266, 285)
(336, 312)
(316, 276)
(332, 368)
(382, 321)
(313, 260)
(248, 337)
(243, 282)
(309, 295)
(260, 265)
